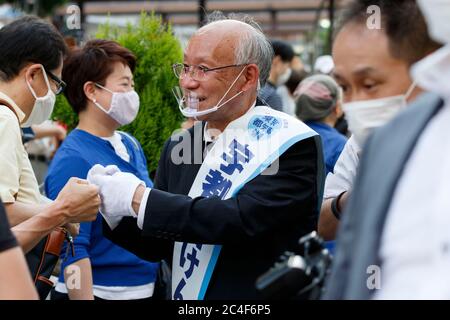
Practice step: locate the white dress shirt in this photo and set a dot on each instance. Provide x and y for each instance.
(344, 172)
(415, 245)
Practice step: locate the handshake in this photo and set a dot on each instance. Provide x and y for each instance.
(107, 189)
(117, 190)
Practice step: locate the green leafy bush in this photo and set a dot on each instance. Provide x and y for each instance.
(156, 49)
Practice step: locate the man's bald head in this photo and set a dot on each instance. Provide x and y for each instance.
(226, 26)
(240, 36)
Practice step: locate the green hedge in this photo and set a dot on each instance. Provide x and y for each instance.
(156, 49)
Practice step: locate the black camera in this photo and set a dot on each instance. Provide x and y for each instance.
(300, 274)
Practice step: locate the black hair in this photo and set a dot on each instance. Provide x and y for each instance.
(93, 62)
(29, 40)
(402, 22)
(282, 49)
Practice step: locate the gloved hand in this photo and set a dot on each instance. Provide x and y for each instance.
(117, 189)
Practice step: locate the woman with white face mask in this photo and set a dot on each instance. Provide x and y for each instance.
(101, 91)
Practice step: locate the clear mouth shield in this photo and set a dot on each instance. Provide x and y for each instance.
(188, 101)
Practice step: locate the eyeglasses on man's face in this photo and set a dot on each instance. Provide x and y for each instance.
(60, 85)
(197, 73)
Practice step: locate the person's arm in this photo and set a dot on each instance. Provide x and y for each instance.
(80, 264)
(328, 222)
(340, 181)
(77, 202)
(53, 130)
(84, 291)
(129, 236)
(288, 197)
(274, 101)
(15, 278)
(19, 212)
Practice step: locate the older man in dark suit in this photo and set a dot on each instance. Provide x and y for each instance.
(223, 219)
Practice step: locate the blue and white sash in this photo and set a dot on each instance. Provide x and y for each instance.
(247, 147)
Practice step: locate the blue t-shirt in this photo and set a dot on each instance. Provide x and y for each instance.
(111, 264)
(333, 142)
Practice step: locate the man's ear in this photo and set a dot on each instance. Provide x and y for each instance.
(251, 75)
(32, 72)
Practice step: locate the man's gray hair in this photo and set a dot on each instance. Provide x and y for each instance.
(254, 47)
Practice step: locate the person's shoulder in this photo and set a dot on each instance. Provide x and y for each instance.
(338, 145)
(9, 127)
(71, 150)
(308, 146)
(129, 137)
(341, 139)
(8, 118)
(266, 90)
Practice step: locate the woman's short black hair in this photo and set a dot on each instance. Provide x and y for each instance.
(403, 23)
(93, 62)
(29, 40)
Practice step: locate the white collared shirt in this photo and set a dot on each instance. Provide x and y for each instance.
(17, 179)
(344, 172)
(415, 245)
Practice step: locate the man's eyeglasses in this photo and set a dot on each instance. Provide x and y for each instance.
(197, 73)
(60, 85)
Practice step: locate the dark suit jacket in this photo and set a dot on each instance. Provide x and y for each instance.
(267, 216)
(384, 158)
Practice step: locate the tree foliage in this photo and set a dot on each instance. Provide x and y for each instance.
(156, 49)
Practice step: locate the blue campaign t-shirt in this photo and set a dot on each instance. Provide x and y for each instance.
(333, 142)
(111, 264)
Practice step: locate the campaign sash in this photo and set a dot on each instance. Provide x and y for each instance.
(247, 147)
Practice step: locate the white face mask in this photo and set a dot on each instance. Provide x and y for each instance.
(437, 13)
(364, 116)
(284, 77)
(188, 101)
(124, 106)
(43, 106)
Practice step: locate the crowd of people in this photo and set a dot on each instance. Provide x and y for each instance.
(262, 160)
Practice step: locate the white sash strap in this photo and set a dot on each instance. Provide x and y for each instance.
(247, 147)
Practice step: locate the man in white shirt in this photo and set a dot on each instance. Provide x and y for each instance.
(371, 76)
(394, 238)
(30, 71)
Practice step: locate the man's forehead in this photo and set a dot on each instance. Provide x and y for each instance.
(211, 47)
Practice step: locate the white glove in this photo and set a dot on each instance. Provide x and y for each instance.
(117, 189)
